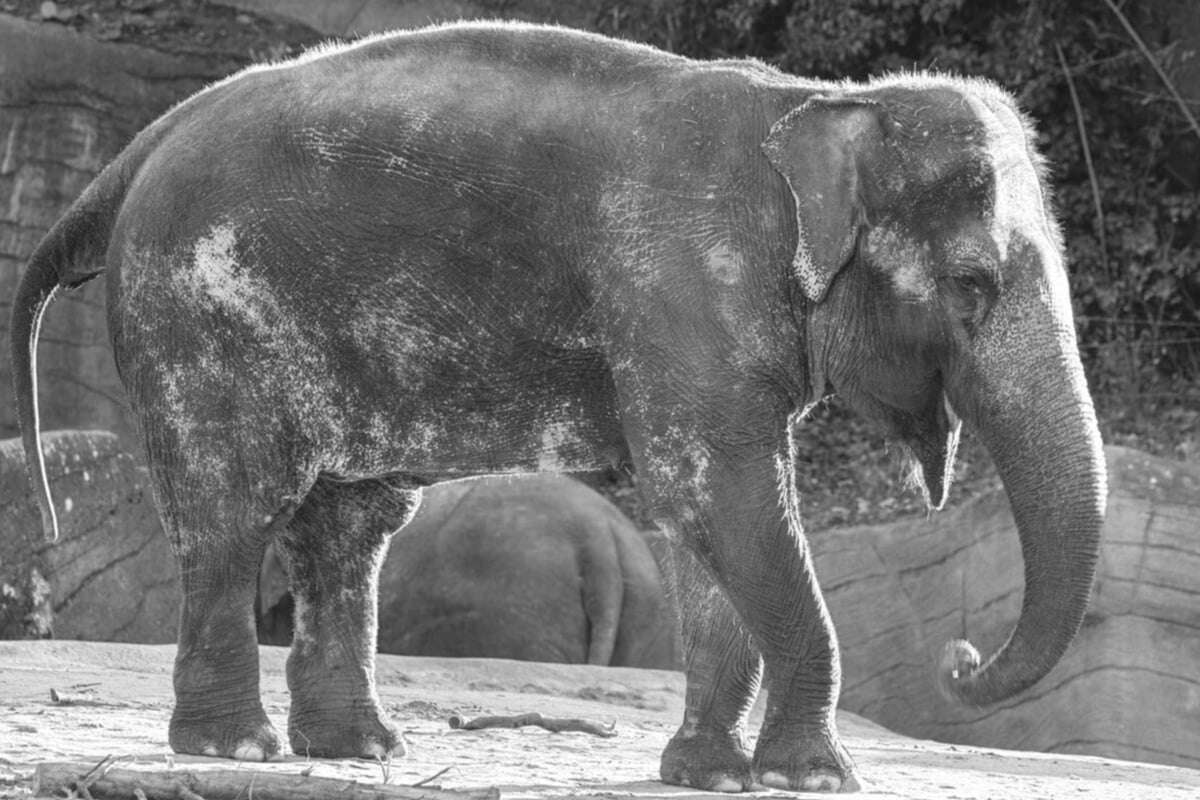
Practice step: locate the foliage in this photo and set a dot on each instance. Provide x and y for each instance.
(1135, 263)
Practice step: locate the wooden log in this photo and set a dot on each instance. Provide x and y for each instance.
(108, 780)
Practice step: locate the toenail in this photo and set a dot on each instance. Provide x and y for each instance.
(821, 782)
(726, 784)
(774, 780)
(249, 751)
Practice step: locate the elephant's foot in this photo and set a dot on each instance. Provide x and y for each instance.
(712, 761)
(811, 761)
(248, 736)
(349, 731)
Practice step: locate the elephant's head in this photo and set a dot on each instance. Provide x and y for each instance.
(933, 277)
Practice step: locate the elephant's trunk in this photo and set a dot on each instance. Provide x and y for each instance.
(1037, 421)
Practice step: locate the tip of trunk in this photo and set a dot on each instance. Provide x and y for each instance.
(964, 677)
(957, 673)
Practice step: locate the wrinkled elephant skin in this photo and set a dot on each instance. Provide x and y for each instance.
(535, 568)
(485, 248)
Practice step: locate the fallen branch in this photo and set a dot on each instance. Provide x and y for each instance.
(433, 777)
(552, 724)
(104, 780)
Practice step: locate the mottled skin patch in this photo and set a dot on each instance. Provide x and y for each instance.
(911, 262)
(480, 249)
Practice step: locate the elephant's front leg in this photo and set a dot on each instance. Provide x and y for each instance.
(798, 745)
(723, 673)
(735, 505)
(335, 546)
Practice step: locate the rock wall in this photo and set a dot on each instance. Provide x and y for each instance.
(111, 575)
(1129, 686)
(61, 120)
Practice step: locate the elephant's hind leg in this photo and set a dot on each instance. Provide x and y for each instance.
(335, 546)
(218, 710)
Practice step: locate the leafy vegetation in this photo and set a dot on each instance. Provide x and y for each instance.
(1134, 255)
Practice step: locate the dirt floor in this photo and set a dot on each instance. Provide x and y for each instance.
(127, 694)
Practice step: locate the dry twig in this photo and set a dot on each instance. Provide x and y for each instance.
(1087, 157)
(432, 778)
(1141, 45)
(555, 725)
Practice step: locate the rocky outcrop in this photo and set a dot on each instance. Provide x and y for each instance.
(1128, 685)
(63, 118)
(68, 104)
(110, 576)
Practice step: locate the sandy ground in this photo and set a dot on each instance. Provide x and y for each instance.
(130, 687)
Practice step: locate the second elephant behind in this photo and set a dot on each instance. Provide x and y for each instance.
(535, 567)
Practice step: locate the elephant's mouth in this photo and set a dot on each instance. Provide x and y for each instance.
(928, 442)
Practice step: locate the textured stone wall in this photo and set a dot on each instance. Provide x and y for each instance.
(1128, 687)
(111, 575)
(62, 118)
(69, 103)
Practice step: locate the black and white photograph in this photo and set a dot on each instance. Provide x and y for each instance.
(599, 399)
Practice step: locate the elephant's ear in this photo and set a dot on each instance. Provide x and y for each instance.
(821, 149)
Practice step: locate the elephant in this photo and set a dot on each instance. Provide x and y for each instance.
(529, 567)
(489, 248)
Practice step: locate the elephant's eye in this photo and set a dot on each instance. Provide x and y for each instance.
(967, 284)
(968, 295)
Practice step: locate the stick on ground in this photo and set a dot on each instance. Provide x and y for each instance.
(85, 698)
(63, 777)
(556, 725)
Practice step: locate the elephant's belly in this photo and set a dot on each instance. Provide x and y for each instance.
(508, 422)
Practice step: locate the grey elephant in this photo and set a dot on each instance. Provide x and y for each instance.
(537, 568)
(496, 248)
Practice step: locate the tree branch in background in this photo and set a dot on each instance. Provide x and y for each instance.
(1187, 112)
(1087, 159)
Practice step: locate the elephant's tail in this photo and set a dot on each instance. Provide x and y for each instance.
(603, 598)
(71, 254)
